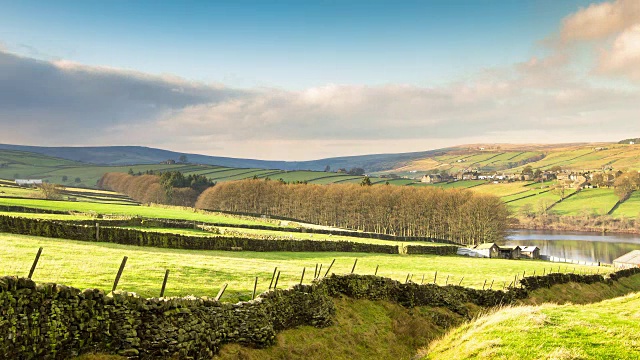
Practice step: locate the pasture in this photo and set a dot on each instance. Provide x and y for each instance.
(203, 272)
(590, 201)
(604, 330)
(630, 208)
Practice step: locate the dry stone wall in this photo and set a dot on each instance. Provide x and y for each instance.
(51, 321)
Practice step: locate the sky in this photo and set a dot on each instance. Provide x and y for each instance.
(301, 80)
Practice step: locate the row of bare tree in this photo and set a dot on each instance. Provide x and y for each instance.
(148, 189)
(456, 215)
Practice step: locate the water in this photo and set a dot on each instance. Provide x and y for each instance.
(581, 246)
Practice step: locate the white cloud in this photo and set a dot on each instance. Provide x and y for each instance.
(624, 56)
(600, 20)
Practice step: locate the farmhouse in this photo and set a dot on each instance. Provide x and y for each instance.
(431, 179)
(532, 252)
(28, 182)
(628, 260)
(509, 252)
(490, 250)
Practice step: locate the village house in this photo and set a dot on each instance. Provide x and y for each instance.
(431, 179)
(531, 252)
(628, 260)
(509, 252)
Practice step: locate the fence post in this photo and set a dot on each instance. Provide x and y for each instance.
(407, 280)
(255, 286)
(97, 232)
(115, 283)
(164, 282)
(376, 273)
(447, 281)
(315, 272)
(224, 287)
(276, 284)
(319, 271)
(35, 262)
(435, 277)
(485, 283)
(491, 287)
(329, 268)
(422, 281)
(460, 283)
(354, 266)
(273, 277)
(302, 277)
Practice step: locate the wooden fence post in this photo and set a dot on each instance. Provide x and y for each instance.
(435, 277)
(97, 232)
(485, 283)
(276, 283)
(224, 287)
(255, 286)
(407, 280)
(164, 282)
(447, 281)
(273, 277)
(315, 272)
(319, 271)
(460, 283)
(354, 266)
(329, 268)
(422, 281)
(491, 287)
(302, 277)
(35, 262)
(376, 273)
(115, 283)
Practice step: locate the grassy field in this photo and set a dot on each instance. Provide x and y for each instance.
(599, 201)
(203, 272)
(629, 208)
(605, 330)
(164, 212)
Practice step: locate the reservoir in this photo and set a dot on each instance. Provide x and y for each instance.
(581, 246)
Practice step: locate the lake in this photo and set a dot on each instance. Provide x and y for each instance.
(581, 246)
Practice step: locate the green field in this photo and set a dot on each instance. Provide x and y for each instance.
(630, 207)
(598, 201)
(203, 272)
(164, 212)
(606, 330)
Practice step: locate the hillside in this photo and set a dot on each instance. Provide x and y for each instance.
(130, 155)
(605, 330)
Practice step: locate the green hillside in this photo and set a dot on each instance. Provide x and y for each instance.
(605, 330)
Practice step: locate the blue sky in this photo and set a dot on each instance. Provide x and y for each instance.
(309, 79)
(288, 44)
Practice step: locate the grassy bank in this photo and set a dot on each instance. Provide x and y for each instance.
(604, 330)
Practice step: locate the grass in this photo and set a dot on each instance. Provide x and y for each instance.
(164, 212)
(629, 208)
(605, 330)
(203, 272)
(598, 201)
(502, 189)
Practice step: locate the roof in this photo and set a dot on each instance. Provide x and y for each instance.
(529, 248)
(485, 246)
(509, 247)
(632, 257)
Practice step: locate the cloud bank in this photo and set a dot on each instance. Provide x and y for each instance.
(547, 99)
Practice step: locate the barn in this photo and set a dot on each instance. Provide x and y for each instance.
(628, 260)
(490, 250)
(509, 252)
(532, 252)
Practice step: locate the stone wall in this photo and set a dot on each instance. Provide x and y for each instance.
(57, 322)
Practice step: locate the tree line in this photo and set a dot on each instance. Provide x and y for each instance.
(172, 187)
(456, 215)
